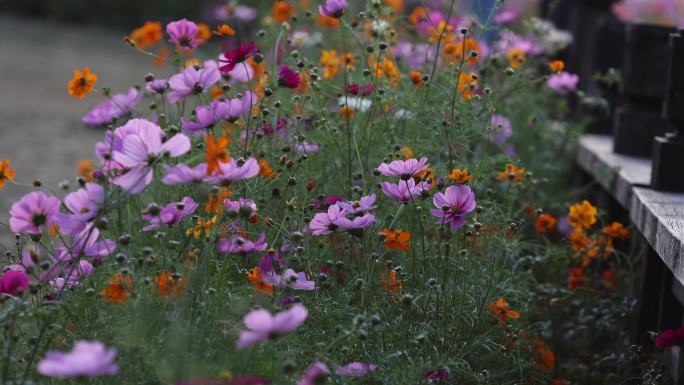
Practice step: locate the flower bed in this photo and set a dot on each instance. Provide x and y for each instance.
(366, 194)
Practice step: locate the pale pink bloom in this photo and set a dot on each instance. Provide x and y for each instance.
(563, 83)
(324, 223)
(453, 205)
(32, 211)
(404, 190)
(290, 278)
(235, 170)
(262, 326)
(355, 369)
(314, 374)
(86, 359)
(84, 204)
(404, 169)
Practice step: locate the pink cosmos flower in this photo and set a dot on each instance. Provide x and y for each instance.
(192, 81)
(243, 207)
(404, 190)
(141, 149)
(453, 205)
(404, 169)
(501, 129)
(325, 223)
(356, 222)
(360, 90)
(287, 77)
(509, 40)
(231, 58)
(158, 86)
(314, 374)
(670, 338)
(563, 83)
(205, 116)
(84, 204)
(13, 282)
(240, 245)
(116, 107)
(436, 375)
(263, 326)
(183, 33)
(363, 205)
(182, 174)
(171, 215)
(86, 244)
(235, 170)
(290, 278)
(333, 8)
(86, 359)
(32, 211)
(355, 369)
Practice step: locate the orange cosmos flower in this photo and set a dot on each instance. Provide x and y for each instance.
(461, 50)
(282, 11)
(149, 34)
(203, 33)
(416, 79)
(391, 283)
(582, 215)
(82, 83)
(398, 5)
(119, 289)
(330, 62)
(512, 174)
(265, 169)
(575, 278)
(215, 201)
(501, 309)
(397, 239)
(417, 15)
(6, 173)
(257, 281)
(516, 57)
(579, 240)
(616, 230)
(406, 152)
(85, 169)
(609, 279)
(169, 285)
(467, 82)
(327, 21)
(347, 112)
(216, 152)
(310, 184)
(162, 56)
(443, 30)
(224, 30)
(545, 223)
(462, 176)
(544, 356)
(557, 66)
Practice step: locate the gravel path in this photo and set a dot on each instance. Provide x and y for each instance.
(40, 124)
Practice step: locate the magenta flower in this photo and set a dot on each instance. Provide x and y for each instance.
(288, 78)
(291, 279)
(361, 90)
(670, 338)
(191, 81)
(404, 169)
(315, 374)
(141, 150)
(355, 369)
(182, 174)
(13, 282)
(404, 190)
(116, 107)
(363, 205)
(235, 170)
(501, 129)
(436, 375)
(355, 223)
(264, 326)
(171, 215)
(183, 33)
(563, 83)
(243, 207)
(84, 204)
(453, 205)
(325, 223)
(231, 58)
(333, 8)
(32, 211)
(86, 359)
(241, 245)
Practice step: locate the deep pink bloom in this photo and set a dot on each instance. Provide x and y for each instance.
(141, 149)
(453, 205)
(325, 223)
(361, 90)
(670, 338)
(287, 77)
(192, 81)
(182, 174)
(33, 210)
(355, 369)
(404, 169)
(13, 282)
(263, 326)
(84, 204)
(290, 278)
(563, 83)
(86, 359)
(363, 205)
(240, 245)
(404, 190)
(231, 58)
(183, 33)
(314, 374)
(437, 375)
(235, 170)
(333, 8)
(171, 215)
(116, 107)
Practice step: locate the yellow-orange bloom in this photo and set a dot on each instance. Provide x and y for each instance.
(616, 230)
(461, 50)
(203, 33)
(282, 11)
(347, 112)
(169, 285)
(257, 281)
(398, 5)
(216, 152)
(330, 62)
(406, 152)
(582, 215)
(119, 289)
(512, 174)
(215, 201)
(501, 310)
(224, 30)
(417, 15)
(416, 79)
(557, 66)
(149, 34)
(6, 173)
(265, 169)
(82, 83)
(467, 82)
(391, 283)
(397, 239)
(516, 57)
(462, 176)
